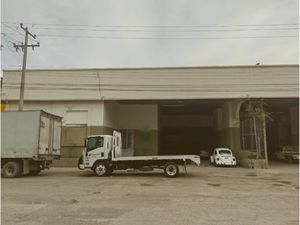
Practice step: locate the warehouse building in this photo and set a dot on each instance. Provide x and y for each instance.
(163, 110)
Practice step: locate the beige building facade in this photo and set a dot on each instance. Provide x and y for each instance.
(162, 110)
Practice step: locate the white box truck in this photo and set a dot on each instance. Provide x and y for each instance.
(103, 155)
(30, 141)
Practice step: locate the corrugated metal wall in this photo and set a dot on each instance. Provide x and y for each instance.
(161, 83)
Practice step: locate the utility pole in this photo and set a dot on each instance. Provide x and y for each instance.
(24, 47)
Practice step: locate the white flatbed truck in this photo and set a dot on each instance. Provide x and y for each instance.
(103, 155)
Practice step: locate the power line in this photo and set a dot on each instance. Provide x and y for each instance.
(8, 42)
(157, 26)
(10, 37)
(17, 32)
(14, 30)
(179, 31)
(165, 38)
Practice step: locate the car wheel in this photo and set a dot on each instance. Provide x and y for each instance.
(171, 170)
(11, 170)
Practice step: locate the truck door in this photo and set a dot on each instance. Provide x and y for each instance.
(56, 138)
(94, 150)
(117, 144)
(44, 139)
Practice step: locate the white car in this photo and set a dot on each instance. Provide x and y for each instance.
(222, 156)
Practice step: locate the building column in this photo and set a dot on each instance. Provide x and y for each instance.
(229, 126)
(294, 121)
(217, 126)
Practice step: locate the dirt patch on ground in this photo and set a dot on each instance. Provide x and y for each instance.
(251, 175)
(284, 182)
(215, 185)
(146, 184)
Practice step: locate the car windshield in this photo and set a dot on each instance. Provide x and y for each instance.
(94, 142)
(224, 152)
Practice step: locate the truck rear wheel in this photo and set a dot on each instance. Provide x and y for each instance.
(101, 169)
(11, 169)
(171, 169)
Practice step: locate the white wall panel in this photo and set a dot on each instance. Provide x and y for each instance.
(94, 116)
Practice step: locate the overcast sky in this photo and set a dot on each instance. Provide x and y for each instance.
(151, 33)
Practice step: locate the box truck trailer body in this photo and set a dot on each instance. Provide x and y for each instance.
(30, 141)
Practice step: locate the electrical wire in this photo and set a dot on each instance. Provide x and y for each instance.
(10, 37)
(19, 33)
(169, 31)
(165, 38)
(156, 26)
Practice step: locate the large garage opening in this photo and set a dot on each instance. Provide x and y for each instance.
(281, 130)
(186, 127)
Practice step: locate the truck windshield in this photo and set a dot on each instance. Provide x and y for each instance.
(94, 142)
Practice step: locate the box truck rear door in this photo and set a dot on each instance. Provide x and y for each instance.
(56, 138)
(44, 136)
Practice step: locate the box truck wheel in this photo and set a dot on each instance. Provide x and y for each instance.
(11, 169)
(101, 169)
(171, 169)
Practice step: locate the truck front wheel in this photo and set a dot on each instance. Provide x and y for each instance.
(11, 169)
(101, 169)
(171, 169)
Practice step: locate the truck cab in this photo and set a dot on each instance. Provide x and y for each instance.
(97, 147)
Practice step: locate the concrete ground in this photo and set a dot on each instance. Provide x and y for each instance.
(206, 195)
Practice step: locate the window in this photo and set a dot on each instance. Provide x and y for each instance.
(224, 152)
(94, 142)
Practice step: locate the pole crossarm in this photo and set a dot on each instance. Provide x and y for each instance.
(22, 46)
